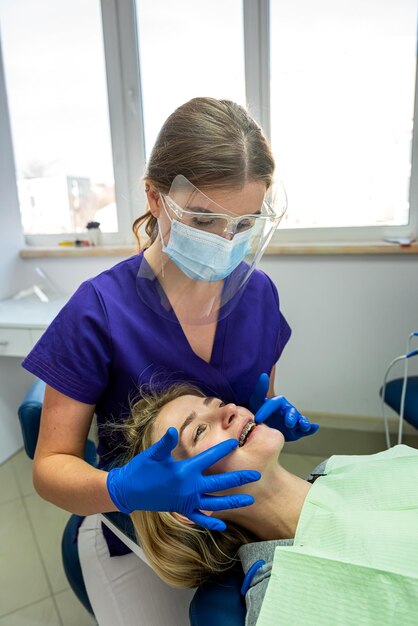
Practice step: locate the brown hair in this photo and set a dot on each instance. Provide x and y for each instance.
(215, 144)
(182, 555)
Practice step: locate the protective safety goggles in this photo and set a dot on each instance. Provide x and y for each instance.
(192, 207)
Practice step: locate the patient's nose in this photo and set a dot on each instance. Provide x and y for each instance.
(229, 413)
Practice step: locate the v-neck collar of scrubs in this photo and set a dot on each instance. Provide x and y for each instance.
(215, 359)
(153, 295)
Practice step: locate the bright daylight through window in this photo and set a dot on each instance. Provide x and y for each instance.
(56, 87)
(205, 52)
(342, 103)
(342, 89)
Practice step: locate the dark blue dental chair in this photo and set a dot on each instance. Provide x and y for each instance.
(219, 603)
(393, 394)
(401, 394)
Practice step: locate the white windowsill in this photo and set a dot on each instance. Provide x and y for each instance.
(72, 251)
(331, 248)
(341, 247)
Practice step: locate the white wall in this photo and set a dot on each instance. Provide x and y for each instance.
(350, 316)
(67, 273)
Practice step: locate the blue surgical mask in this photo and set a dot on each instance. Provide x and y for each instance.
(205, 256)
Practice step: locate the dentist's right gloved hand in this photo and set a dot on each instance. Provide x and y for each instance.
(154, 481)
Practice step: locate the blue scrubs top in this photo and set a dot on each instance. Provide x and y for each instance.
(106, 342)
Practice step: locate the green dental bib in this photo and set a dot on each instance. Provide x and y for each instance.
(355, 555)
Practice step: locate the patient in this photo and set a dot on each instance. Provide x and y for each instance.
(182, 553)
(186, 555)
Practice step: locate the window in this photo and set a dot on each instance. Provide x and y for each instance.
(342, 102)
(186, 50)
(333, 83)
(56, 84)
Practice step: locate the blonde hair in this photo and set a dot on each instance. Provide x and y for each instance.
(215, 144)
(182, 555)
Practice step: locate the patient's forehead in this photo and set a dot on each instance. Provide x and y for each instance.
(190, 401)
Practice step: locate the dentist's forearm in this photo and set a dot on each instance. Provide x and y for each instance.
(72, 484)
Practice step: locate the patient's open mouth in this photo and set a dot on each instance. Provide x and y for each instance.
(248, 428)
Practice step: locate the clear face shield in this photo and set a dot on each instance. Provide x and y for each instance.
(206, 252)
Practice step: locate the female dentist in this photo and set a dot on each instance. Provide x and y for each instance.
(191, 306)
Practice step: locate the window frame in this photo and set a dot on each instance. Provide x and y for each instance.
(122, 62)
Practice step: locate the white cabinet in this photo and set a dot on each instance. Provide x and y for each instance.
(35, 334)
(22, 322)
(15, 341)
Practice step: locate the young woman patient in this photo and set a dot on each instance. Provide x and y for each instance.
(182, 553)
(347, 518)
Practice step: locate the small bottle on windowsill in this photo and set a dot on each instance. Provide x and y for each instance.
(94, 232)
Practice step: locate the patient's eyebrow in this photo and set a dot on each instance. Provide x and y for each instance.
(187, 421)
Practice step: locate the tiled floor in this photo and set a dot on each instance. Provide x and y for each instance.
(33, 588)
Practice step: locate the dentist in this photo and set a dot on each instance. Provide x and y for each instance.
(190, 306)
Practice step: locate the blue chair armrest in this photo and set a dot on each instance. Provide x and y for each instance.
(35, 393)
(393, 395)
(71, 561)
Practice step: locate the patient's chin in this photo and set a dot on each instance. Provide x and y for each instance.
(268, 443)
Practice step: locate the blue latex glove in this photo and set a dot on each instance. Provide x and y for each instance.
(154, 481)
(278, 413)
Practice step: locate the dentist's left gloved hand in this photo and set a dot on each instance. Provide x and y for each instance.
(278, 413)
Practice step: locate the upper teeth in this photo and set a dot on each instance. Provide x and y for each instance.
(245, 432)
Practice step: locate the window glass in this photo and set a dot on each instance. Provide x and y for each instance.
(188, 49)
(56, 87)
(342, 95)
